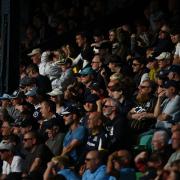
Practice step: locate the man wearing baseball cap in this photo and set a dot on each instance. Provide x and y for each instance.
(174, 73)
(164, 60)
(11, 162)
(75, 137)
(35, 56)
(167, 109)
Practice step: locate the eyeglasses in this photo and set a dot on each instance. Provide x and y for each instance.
(106, 106)
(26, 139)
(134, 64)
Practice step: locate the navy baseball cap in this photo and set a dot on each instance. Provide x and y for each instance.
(171, 83)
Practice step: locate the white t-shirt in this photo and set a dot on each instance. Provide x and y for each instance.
(15, 166)
(177, 51)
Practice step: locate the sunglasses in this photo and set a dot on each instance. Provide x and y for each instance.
(107, 106)
(144, 87)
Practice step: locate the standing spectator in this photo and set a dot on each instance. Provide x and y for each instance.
(66, 77)
(42, 82)
(86, 52)
(35, 56)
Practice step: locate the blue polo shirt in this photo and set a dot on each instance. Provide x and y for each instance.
(99, 174)
(79, 134)
(68, 174)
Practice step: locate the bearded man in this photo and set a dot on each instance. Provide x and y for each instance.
(141, 116)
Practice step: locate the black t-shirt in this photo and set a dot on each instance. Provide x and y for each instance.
(117, 130)
(41, 151)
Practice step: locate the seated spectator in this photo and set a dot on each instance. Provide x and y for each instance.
(163, 42)
(6, 130)
(38, 155)
(160, 144)
(174, 73)
(87, 78)
(97, 137)
(155, 164)
(60, 165)
(48, 111)
(116, 125)
(141, 115)
(57, 97)
(95, 169)
(164, 60)
(99, 68)
(90, 105)
(75, 138)
(118, 165)
(167, 109)
(176, 146)
(139, 70)
(32, 97)
(11, 162)
(55, 137)
(119, 93)
(152, 65)
(17, 99)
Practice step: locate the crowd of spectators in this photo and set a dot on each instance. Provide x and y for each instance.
(107, 108)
